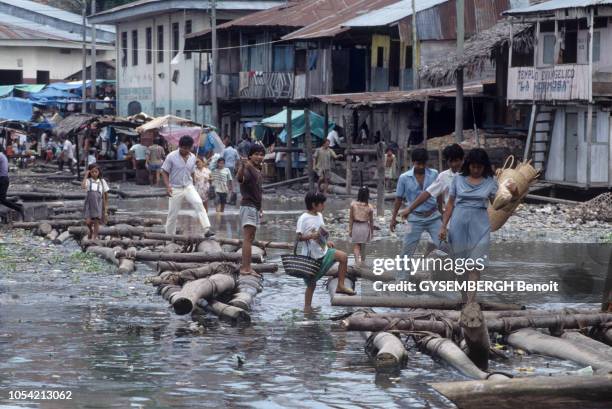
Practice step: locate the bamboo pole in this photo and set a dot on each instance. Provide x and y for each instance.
(349, 158)
(289, 159)
(118, 230)
(380, 192)
(125, 243)
(309, 152)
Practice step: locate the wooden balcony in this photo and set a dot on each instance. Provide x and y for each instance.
(251, 85)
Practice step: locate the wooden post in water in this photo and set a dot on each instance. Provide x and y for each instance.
(349, 157)
(380, 191)
(289, 129)
(309, 152)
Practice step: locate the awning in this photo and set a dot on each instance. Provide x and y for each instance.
(30, 87)
(51, 93)
(298, 123)
(6, 90)
(17, 109)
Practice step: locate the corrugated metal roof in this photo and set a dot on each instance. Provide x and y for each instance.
(553, 5)
(21, 29)
(397, 97)
(54, 12)
(291, 15)
(332, 24)
(391, 13)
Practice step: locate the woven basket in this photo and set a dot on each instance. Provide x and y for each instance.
(300, 266)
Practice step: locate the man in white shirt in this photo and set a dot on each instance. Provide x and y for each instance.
(453, 155)
(67, 155)
(333, 138)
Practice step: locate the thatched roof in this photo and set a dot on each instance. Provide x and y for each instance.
(73, 123)
(477, 51)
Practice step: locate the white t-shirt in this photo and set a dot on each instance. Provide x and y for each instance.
(91, 159)
(333, 139)
(99, 185)
(307, 224)
(442, 184)
(68, 149)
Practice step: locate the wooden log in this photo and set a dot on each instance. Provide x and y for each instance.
(126, 263)
(44, 229)
(208, 288)
(52, 235)
(448, 351)
(380, 172)
(362, 272)
(255, 251)
(502, 325)
(228, 313)
(62, 238)
(115, 231)
(190, 257)
(106, 253)
(262, 244)
(542, 392)
(63, 223)
(39, 196)
(476, 335)
(414, 302)
(456, 315)
(247, 287)
(209, 246)
(535, 342)
(168, 291)
(285, 182)
(588, 344)
(387, 350)
(181, 277)
(125, 243)
(176, 266)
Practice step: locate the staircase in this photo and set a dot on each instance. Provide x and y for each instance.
(537, 146)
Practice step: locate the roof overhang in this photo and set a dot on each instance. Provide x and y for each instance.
(145, 8)
(53, 44)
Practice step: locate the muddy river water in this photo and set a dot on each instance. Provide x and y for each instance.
(68, 323)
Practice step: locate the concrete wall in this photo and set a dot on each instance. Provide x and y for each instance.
(60, 65)
(151, 84)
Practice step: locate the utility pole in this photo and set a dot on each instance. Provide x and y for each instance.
(93, 59)
(459, 81)
(84, 76)
(213, 69)
(415, 48)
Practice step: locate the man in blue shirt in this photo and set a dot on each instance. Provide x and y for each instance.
(425, 217)
(122, 150)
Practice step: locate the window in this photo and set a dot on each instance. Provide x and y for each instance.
(175, 39)
(160, 111)
(124, 49)
(160, 43)
(64, 50)
(408, 58)
(282, 58)
(188, 31)
(178, 113)
(42, 77)
(149, 45)
(548, 57)
(380, 57)
(596, 45)
(134, 47)
(188, 114)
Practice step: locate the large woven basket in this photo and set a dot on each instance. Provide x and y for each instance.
(300, 266)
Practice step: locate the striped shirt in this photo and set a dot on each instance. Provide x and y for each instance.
(220, 179)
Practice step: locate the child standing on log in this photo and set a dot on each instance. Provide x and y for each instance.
(251, 189)
(316, 244)
(96, 201)
(361, 223)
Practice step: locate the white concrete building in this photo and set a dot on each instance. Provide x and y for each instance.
(41, 44)
(153, 74)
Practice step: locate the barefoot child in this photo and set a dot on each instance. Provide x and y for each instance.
(202, 181)
(361, 223)
(222, 182)
(251, 189)
(96, 201)
(315, 244)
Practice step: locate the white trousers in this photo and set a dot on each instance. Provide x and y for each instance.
(190, 194)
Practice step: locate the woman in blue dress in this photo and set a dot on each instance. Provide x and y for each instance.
(469, 231)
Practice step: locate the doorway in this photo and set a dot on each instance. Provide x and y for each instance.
(11, 77)
(134, 108)
(571, 147)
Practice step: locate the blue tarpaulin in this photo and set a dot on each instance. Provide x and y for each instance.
(6, 90)
(16, 109)
(50, 94)
(76, 85)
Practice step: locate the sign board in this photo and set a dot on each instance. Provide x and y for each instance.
(563, 82)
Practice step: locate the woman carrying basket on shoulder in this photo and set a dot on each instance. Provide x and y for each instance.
(315, 244)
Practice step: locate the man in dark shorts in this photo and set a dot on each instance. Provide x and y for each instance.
(250, 178)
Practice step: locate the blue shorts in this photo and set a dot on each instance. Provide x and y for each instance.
(154, 167)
